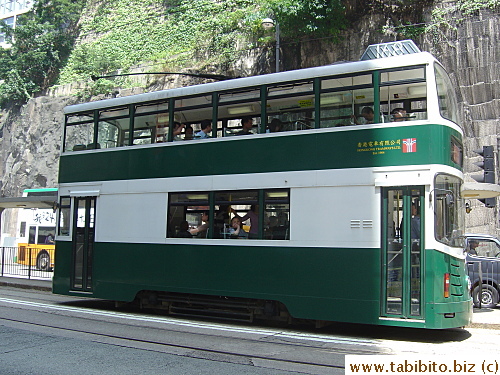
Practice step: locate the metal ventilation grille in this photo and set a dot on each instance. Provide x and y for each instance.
(361, 224)
(399, 48)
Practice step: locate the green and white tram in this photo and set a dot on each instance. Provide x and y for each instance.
(345, 218)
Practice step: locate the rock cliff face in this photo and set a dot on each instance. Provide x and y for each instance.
(469, 49)
(471, 55)
(31, 143)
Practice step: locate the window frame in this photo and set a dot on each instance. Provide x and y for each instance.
(212, 203)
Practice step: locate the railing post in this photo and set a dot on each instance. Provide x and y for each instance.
(29, 262)
(3, 258)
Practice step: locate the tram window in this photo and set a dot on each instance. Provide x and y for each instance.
(193, 110)
(186, 207)
(410, 99)
(152, 108)
(80, 117)
(342, 83)
(108, 134)
(111, 125)
(456, 151)
(446, 95)
(79, 136)
(336, 109)
(295, 113)
(148, 129)
(64, 216)
(403, 75)
(292, 104)
(277, 215)
(242, 96)
(150, 123)
(342, 100)
(290, 89)
(448, 208)
(195, 209)
(204, 100)
(235, 105)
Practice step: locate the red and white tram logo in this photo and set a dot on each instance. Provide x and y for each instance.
(410, 145)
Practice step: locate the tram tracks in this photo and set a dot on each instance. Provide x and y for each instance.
(300, 352)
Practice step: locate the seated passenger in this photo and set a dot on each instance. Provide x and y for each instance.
(368, 116)
(272, 225)
(206, 128)
(276, 125)
(398, 114)
(183, 230)
(236, 230)
(202, 229)
(247, 124)
(188, 133)
(178, 127)
(253, 215)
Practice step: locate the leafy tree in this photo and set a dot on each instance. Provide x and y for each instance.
(41, 41)
(307, 18)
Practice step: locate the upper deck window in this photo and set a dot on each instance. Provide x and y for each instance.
(240, 96)
(403, 94)
(235, 105)
(79, 131)
(446, 95)
(292, 105)
(151, 123)
(112, 122)
(342, 98)
(410, 74)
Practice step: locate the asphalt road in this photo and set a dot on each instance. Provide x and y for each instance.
(42, 333)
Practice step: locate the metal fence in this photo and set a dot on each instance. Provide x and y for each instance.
(12, 265)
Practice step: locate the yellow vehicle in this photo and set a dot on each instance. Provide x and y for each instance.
(36, 230)
(39, 256)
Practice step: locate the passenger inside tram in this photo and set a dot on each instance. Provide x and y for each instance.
(236, 230)
(398, 114)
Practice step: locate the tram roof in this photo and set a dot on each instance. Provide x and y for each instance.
(253, 81)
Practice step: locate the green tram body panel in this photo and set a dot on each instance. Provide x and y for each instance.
(313, 283)
(300, 151)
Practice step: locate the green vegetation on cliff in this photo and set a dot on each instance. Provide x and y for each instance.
(186, 33)
(62, 41)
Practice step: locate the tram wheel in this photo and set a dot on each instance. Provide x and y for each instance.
(488, 295)
(43, 261)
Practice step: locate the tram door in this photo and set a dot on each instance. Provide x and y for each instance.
(403, 224)
(83, 242)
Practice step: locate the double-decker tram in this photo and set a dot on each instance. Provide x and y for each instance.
(328, 194)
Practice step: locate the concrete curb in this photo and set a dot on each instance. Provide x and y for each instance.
(21, 285)
(493, 326)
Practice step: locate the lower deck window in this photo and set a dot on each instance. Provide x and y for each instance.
(236, 214)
